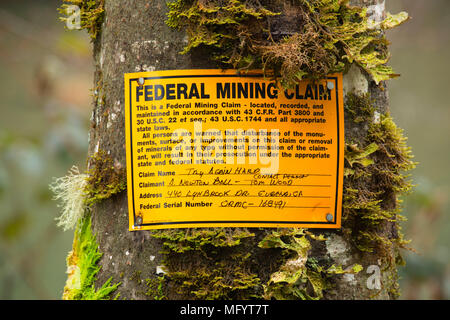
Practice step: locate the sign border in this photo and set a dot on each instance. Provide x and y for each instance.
(336, 223)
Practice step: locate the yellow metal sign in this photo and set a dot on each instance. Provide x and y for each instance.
(213, 148)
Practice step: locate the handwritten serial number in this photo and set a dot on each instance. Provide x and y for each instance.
(279, 204)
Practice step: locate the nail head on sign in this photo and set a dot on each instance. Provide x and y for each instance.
(330, 85)
(329, 217)
(141, 81)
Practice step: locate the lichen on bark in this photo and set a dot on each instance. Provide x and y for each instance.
(91, 14)
(293, 39)
(375, 179)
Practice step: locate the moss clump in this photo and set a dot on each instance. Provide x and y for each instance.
(295, 39)
(82, 267)
(104, 178)
(77, 191)
(208, 264)
(300, 276)
(91, 14)
(202, 239)
(214, 263)
(224, 263)
(375, 176)
(359, 107)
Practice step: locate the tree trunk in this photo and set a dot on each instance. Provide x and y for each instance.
(134, 37)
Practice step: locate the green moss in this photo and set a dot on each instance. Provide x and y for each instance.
(293, 39)
(104, 178)
(82, 264)
(359, 107)
(300, 276)
(91, 14)
(78, 191)
(203, 240)
(375, 178)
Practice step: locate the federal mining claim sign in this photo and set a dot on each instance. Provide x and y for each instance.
(213, 148)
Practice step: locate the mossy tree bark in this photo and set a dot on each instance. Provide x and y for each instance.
(134, 37)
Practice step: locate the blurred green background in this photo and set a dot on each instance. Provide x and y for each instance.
(45, 90)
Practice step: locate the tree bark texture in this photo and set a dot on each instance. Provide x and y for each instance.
(134, 37)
